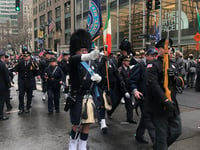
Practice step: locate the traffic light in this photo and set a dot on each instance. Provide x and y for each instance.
(157, 4)
(17, 5)
(149, 4)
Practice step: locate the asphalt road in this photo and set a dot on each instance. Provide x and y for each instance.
(40, 131)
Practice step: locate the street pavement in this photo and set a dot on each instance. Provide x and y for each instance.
(40, 131)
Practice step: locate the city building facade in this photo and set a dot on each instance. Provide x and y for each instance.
(8, 22)
(128, 19)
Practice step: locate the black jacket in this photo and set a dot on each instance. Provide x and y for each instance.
(155, 86)
(4, 78)
(27, 72)
(64, 65)
(55, 75)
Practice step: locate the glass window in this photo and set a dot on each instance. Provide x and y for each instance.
(58, 26)
(35, 23)
(49, 15)
(68, 23)
(67, 8)
(35, 33)
(67, 38)
(58, 12)
(42, 20)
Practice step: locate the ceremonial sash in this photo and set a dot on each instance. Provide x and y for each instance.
(91, 72)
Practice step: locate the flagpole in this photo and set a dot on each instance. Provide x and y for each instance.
(106, 54)
(179, 25)
(166, 67)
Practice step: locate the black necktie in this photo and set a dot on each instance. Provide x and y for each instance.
(128, 71)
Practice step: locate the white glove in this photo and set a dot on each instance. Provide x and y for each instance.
(96, 78)
(90, 56)
(101, 53)
(127, 95)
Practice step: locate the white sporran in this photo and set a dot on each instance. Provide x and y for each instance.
(88, 110)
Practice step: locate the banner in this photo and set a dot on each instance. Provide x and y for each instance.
(94, 20)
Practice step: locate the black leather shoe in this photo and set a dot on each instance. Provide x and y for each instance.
(141, 140)
(50, 112)
(9, 109)
(104, 130)
(4, 118)
(132, 121)
(20, 112)
(27, 111)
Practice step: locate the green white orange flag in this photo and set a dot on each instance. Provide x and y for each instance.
(107, 33)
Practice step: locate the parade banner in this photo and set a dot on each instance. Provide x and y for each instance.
(94, 20)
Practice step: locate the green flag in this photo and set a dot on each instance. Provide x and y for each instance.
(198, 19)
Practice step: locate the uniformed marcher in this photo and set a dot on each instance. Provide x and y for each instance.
(64, 65)
(81, 83)
(27, 70)
(11, 76)
(137, 88)
(164, 112)
(124, 71)
(55, 78)
(4, 84)
(44, 63)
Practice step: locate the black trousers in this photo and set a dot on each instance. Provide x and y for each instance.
(145, 123)
(167, 131)
(53, 98)
(7, 101)
(116, 97)
(29, 92)
(2, 101)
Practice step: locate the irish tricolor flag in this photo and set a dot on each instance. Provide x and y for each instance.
(107, 33)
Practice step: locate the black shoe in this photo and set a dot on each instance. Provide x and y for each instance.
(4, 118)
(57, 111)
(104, 130)
(27, 111)
(132, 121)
(50, 112)
(141, 140)
(109, 115)
(20, 112)
(9, 109)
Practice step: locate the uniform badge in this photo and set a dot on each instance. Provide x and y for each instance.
(149, 66)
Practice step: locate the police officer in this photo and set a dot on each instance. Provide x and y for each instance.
(124, 71)
(8, 65)
(55, 78)
(43, 64)
(137, 88)
(164, 112)
(64, 65)
(27, 70)
(4, 84)
(80, 42)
